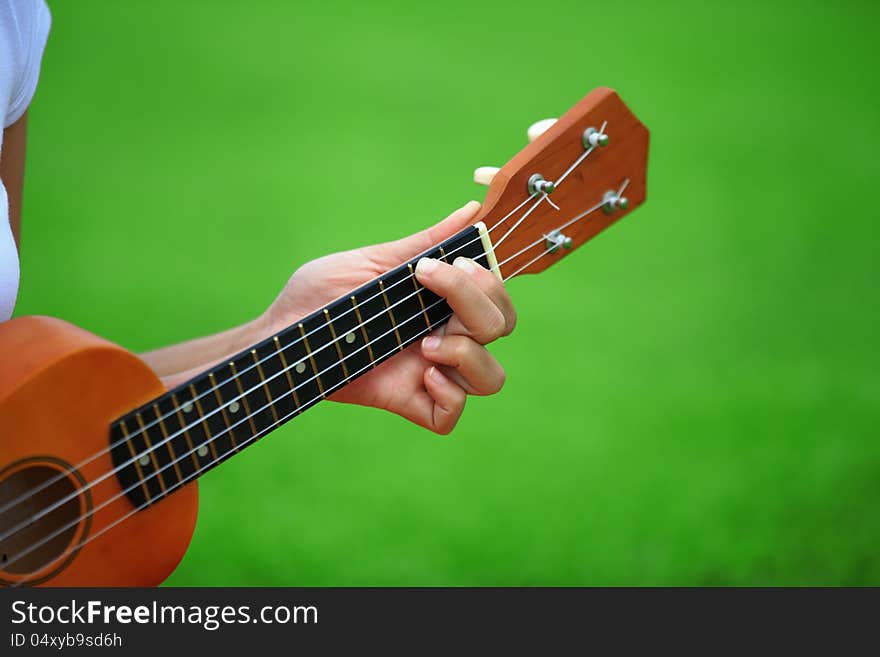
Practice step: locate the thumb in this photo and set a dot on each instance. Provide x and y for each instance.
(409, 247)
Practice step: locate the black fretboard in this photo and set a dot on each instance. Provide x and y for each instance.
(191, 429)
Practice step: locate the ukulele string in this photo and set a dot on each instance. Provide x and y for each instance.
(152, 448)
(143, 430)
(175, 487)
(45, 511)
(520, 220)
(583, 157)
(544, 196)
(195, 474)
(171, 490)
(211, 439)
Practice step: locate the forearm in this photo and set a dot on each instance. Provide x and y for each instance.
(179, 362)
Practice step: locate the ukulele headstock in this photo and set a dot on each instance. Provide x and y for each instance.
(581, 174)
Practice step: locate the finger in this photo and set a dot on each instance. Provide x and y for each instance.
(448, 400)
(409, 247)
(477, 368)
(478, 315)
(493, 287)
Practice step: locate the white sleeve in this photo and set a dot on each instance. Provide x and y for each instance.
(32, 26)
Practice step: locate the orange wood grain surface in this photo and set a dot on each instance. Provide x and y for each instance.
(550, 155)
(60, 388)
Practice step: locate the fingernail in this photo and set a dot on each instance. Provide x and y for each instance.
(426, 265)
(437, 375)
(471, 205)
(431, 342)
(465, 264)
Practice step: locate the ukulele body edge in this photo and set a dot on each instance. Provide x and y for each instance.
(60, 389)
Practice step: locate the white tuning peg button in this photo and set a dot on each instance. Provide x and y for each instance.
(484, 175)
(539, 128)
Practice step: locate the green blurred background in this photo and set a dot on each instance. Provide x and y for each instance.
(692, 399)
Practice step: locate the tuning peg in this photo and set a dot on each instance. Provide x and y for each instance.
(539, 128)
(555, 239)
(593, 138)
(484, 175)
(614, 200)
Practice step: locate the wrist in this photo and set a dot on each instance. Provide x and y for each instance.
(280, 314)
(259, 328)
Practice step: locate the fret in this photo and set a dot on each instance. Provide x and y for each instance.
(195, 428)
(220, 443)
(377, 323)
(336, 341)
(315, 371)
(224, 411)
(244, 399)
(265, 387)
(125, 466)
(352, 342)
(184, 428)
(287, 368)
(167, 442)
(211, 417)
(468, 246)
(157, 469)
(418, 288)
(143, 464)
(229, 398)
(210, 439)
(435, 308)
(256, 396)
(405, 301)
(278, 382)
(311, 360)
(317, 339)
(134, 452)
(390, 314)
(357, 312)
(295, 355)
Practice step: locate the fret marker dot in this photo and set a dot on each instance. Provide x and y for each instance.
(350, 337)
(300, 368)
(187, 407)
(233, 407)
(144, 460)
(202, 451)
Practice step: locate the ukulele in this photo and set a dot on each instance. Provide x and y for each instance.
(98, 461)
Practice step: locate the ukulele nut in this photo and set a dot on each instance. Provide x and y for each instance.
(593, 138)
(537, 185)
(555, 239)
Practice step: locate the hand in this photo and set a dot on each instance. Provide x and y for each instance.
(428, 382)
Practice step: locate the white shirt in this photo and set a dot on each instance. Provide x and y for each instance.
(24, 27)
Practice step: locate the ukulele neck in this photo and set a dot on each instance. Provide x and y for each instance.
(192, 428)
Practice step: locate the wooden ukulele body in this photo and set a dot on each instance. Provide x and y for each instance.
(65, 518)
(60, 388)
